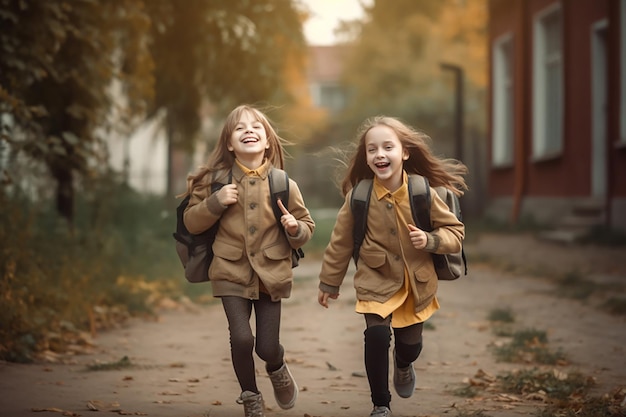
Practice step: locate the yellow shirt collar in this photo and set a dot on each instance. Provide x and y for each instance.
(253, 172)
(400, 194)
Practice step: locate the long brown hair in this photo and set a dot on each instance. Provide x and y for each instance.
(445, 172)
(221, 159)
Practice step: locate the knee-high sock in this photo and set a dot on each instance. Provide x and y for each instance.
(377, 340)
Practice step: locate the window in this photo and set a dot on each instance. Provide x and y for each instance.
(622, 25)
(547, 85)
(502, 102)
(329, 95)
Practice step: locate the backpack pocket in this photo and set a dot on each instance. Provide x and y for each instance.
(196, 266)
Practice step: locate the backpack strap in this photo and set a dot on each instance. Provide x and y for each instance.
(419, 198)
(182, 234)
(359, 204)
(279, 190)
(217, 185)
(419, 192)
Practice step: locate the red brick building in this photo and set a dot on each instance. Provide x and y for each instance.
(557, 125)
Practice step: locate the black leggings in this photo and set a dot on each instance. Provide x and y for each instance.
(267, 312)
(407, 346)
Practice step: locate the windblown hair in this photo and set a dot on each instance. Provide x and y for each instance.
(445, 172)
(221, 159)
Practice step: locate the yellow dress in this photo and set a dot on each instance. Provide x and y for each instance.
(402, 303)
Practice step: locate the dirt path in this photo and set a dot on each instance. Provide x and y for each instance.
(182, 365)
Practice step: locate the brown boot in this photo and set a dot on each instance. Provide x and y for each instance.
(285, 388)
(253, 404)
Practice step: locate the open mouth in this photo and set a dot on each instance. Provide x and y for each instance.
(382, 165)
(249, 140)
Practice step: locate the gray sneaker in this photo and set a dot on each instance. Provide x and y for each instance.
(403, 379)
(253, 404)
(285, 388)
(380, 411)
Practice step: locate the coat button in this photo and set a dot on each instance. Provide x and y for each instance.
(252, 229)
(392, 231)
(389, 205)
(397, 257)
(252, 206)
(252, 182)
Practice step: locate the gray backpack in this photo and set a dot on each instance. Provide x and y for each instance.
(448, 267)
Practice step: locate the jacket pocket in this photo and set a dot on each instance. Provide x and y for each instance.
(277, 252)
(229, 264)
(372, 259)
(226, 251)
(424, 273)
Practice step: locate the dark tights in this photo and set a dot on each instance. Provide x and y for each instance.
(267, 312)
(408, 346)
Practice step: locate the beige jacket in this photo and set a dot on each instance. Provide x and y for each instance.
(387, 251)
(249, 245)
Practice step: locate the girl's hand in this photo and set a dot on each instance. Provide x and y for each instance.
(287, 220)
(228, 195)
(418, 237)
(322, 298)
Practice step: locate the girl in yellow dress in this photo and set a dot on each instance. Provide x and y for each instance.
(395, 279)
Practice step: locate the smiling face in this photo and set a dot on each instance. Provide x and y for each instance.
(385, 155)
(248, 140)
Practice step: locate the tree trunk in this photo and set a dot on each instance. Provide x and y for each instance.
(64, 193)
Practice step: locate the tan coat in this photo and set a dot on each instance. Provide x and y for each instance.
(249, 245)
(387, 251)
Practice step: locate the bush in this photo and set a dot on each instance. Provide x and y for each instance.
(53, 273)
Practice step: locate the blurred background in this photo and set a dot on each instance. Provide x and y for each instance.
(106, 107)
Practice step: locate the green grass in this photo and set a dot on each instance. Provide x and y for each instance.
(556, 385)
(324, 223)
(529, 346)
(615, 305)
(123, 363)
(502, 315)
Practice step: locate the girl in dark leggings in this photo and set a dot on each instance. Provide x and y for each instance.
(251, 266)
(395, 278)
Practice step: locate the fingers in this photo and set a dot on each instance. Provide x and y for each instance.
(322, 299)
(418, 238)
(282, 207)
(413, 228)
(228, 194)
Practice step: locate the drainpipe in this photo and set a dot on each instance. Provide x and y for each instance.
(522, 121)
